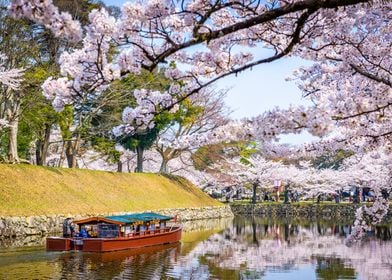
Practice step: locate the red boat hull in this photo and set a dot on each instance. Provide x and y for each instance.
(114, 244)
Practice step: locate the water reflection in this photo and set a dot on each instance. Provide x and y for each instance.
(147, 263)
(22, 241)
(265, 246)
(240, 248)
(333, 268)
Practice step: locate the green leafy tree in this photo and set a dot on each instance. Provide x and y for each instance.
(142, 141)
(330, 268)
(207, 156)
(119, 96)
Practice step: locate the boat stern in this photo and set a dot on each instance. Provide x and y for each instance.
(58, 244)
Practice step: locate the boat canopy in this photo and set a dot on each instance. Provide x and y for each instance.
(126, 219)
(140, 217)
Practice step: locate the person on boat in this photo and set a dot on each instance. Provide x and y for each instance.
(68, 228)
(83, 233)
(92, 233)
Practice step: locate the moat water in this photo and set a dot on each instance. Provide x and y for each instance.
(239, 248)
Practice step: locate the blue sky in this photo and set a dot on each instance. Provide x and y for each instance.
(264, 87)
(114, 2)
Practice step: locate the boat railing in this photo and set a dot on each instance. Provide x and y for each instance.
(151, 231)
(76, 239)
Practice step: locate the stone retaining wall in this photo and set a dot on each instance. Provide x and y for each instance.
(310, 211)
(47, 224)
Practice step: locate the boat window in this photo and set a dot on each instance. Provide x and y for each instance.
(107, 230)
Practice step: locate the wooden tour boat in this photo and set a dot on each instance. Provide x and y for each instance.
(113, 233)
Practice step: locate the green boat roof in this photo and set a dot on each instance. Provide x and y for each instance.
(144, 217)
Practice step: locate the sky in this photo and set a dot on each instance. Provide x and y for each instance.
(264, 87)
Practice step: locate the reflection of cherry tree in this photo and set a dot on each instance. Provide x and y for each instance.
(279, 248)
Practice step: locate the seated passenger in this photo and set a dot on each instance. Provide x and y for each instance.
(83, 233)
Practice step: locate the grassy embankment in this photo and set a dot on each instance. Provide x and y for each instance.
(31, 190)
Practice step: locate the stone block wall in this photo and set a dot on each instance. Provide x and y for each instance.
(301, 210)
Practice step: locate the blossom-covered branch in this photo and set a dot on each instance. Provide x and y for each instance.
(45, 13)
(9, 77)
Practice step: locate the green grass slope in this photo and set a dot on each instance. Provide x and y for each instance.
(32, 190)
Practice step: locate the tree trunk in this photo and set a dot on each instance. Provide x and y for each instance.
(42, 146)
(254, 232)
(69, 153)
(254, 193)
(119, 166)
(62, 155)
(129, 166)
(12, 112)
(163, 168)
(139, 163)
(286, 195)
(75, 152)
(72, 151)
(38, 152)
(13, 142)
(286, 232)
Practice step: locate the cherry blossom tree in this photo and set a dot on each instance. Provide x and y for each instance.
(204, 41)
(155, 32)
(45, 13)
(371, 171)
(355, 67)
(198, 115)
(9, 77)
(254, 171)
(374, 171)
(86, 74)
